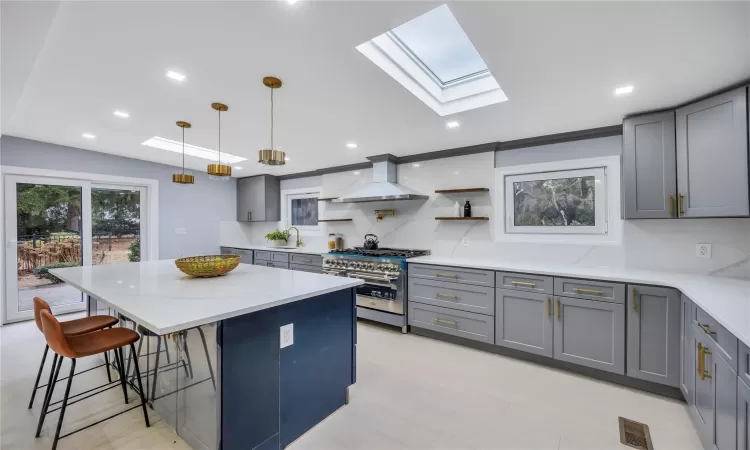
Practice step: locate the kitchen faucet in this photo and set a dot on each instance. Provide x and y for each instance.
(299, 241)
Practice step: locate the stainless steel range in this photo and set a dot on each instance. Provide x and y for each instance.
(383, 296)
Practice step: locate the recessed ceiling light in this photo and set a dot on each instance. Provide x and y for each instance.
(122, 114)
(192, 150)
(623, 90)
(415, 164)
(356, 172)
(456, 172)
(291, 2)
(88, 136)
(286, 158)
(175, 75)
(351, 145)
(452, 124)
(237, 168)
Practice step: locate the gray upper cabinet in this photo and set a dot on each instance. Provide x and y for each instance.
(687, 352)
(712, 156)
(258, 199)
(523, 321)
(653, 334)
(590, 333)
(743, 416)
(649, 179)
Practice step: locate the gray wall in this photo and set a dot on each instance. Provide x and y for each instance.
(199, 208)
(588, 148)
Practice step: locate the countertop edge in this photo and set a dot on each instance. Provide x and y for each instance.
(299, 250)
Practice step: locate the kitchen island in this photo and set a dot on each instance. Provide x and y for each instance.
(211, 349)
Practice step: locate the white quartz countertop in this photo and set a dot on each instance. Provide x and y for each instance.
(158, 296)
(726, 299)
(304, 250)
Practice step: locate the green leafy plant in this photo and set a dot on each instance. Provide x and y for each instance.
(43, 271)
(134, 250)
(278, 235)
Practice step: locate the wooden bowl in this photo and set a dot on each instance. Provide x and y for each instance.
(208, 266)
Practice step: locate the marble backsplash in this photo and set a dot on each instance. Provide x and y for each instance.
(667, 245)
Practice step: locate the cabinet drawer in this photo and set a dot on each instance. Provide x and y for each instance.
(305, 268)
(280, 257)
(261, 255)
(278, 265)
(310, 260)
(455, 274)
(524, 282)
(725, 342)
(590, 290)
(478, 327)
(477, 299)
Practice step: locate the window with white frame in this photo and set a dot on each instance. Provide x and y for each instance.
(301, 209)
(570, 201)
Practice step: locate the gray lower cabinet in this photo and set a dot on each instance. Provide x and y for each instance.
(478, 327)
(306, 268)
(246, 256)
(590, 333)
(258, 199)
(466, 297)
(649, 181)
(653, 334)
(743, 415)
(712, 156)
(715, 409)
(687, 350)
(524, 321)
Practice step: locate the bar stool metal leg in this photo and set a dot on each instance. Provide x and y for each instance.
(50, 390)
(121, 370)
(156, 369)
(64, 403)
(39, 375)
(208, 358)
(140, 386)
(106, 361)
(187, 356)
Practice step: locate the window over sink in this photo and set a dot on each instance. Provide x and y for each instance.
(300, 209)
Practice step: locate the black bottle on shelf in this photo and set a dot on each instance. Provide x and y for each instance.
(467, 209)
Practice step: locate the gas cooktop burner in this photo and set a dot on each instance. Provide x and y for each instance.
(381, 252)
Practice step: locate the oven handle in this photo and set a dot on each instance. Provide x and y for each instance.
(379, 281)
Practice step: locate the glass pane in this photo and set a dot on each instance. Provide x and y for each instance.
(49, 236)
(305, 211)
(437, 39)
(116, 226)
(556, 202)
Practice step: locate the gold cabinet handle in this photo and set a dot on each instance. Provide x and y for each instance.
(546, 304)
(522, 283)
(557, 311)
(440, 294)
(671, 205)
(704, 373)
(699, 369)
(451, 323)
(706, 329)
(446, 275)
(680, 210)
(586, 291)
(635, 294)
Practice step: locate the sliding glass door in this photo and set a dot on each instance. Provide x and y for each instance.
(54, 223)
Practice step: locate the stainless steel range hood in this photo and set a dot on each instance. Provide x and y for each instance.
(383, 186)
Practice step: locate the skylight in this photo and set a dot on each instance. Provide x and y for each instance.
(192, 150)
(434, 59)
(439, 42)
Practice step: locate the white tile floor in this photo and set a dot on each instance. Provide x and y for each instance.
(411, 393)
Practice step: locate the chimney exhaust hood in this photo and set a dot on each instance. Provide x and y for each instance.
(384, 186)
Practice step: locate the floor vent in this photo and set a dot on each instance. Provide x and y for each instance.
(635, 434)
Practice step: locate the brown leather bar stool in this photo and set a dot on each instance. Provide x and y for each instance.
(70, 328)
(80, 346)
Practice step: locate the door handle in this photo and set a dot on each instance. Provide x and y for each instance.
(680, 210)
(704, 373)
(671, 205)
(635, 308)
(706, 329)
(249, 216)
(699, 369)
(546, 304)
(557, 312)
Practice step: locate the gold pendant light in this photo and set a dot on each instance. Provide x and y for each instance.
(183, 178)
(271, 156)
(219, 170)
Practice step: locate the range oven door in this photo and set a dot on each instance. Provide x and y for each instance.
(379, 292)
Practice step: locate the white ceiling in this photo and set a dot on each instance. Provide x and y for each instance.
(66, 66)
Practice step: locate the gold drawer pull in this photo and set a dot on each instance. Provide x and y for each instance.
(440, 294)
(446, 275)
(671, 205)
(704, 373)
(451, 323)
(546, 304)
(522, 283)
(587, 291)
(699, 369)
(680, 211)
(558, 308)
(706, 329)
(635, 295)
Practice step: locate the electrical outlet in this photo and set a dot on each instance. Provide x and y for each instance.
(703, 250)
(287, 335)
(180, 230)
(465, 241)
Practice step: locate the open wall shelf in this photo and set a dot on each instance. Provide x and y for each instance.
(335, 220)
(461, 191)
(326, 199)
(462, 218)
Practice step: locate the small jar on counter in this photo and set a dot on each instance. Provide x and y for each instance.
(339, 241)
(332, 241)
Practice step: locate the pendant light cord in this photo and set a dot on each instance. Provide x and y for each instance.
(219, 136)
(183, 151)
(272, 118)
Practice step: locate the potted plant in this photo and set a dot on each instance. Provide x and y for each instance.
(279, 238)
